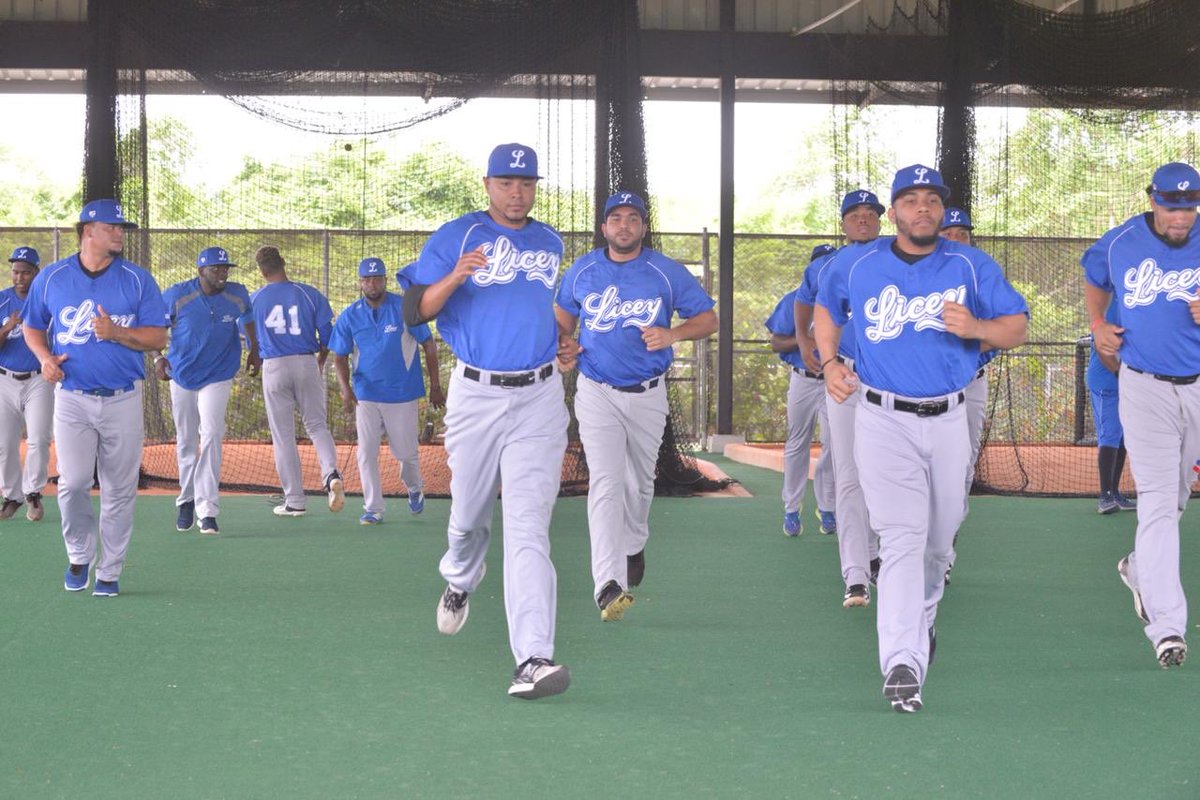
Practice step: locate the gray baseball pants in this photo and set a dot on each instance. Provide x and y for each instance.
(976, 395)
(292, 383)
(621, 433)
(858, 544)
(805, 405)
(1162, 436)
(516, 436)
(911, 469)
(102, 434)
(199, 428)
(399, 422)
(28, 404)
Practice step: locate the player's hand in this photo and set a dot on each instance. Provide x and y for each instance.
(568, 352)
(658, 338)
(253, 364)
(349, 401)
(467, 263)
(840, 382)
(808, 352)
(52, 368)
(1194, 307)
(9, 324)
(162, 369)
(959, 320)
(1108, 338)
(103, 326)
(437, 398)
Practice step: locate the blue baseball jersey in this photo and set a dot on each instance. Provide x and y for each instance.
(15, 355)
(502, 317)
(901, 340)
(1153, 283)
(782, 322)
(810, 285)
(290, 319)
(1099, 378)
(388, 367)
(616, 300)
(64, 300)
(206, 343)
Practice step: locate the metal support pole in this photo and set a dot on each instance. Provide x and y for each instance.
(725, 226)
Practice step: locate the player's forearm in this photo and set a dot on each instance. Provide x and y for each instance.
(698, 327)
(341, 366)
(433, 298)
(1003, 333)
(803, 313)
(783, 344)
(826, 332)
(37, 343)
(251, 338)
(1096, 300)
(149, 337)
(566, 321)
(432, 366)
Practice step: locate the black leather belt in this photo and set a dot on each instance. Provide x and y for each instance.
(20, 376)
(808, 373)
(509, 380)
(638, 388)
(1178, 380)
(924, 408)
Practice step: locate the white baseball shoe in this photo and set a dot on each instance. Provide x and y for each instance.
(337, 492)
(539, 677)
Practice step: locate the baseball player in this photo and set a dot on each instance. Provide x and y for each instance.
(957, 227)
(206, 349)
(387, 383)
(88, 319)
(923, 306)
(805, 403)
(1147, 265)
(294, 322)
(25, 401)
(858, 547)
(625, 295)
(1110, 438)
(489, 278)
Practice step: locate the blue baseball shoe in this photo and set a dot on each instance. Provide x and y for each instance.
(1124, 503)
(75, 579)
(209, 526)
(416, 502)
(828, 522)
(791, 524)
(105, 589)
(1108, 504)
(187, 516)
(370, 518)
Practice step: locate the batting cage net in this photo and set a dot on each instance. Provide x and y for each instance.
(375, 179)
(1044, 168)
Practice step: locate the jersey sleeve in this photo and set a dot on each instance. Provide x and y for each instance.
(324, 317)
(242, 294)
(438, 257)
(1095, 264)
(783, 319)
(566, 299)
(35, 313)
(834, 290)
(420, 332)
(152, 311)
(690, 297)
(806, 293)
(341, 339)
(997, 297)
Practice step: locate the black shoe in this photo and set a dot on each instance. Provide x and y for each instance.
(902, 689)
(932, 644)
(9, 508)
(613, 601)
(855, 596)
(187, 516)
(635, 566)
(875, 562)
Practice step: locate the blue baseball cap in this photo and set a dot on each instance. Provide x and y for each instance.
(370, 267)
(106, 210)
(214, 257)
(919, 176)
(821, 250)
(625, 199)
(26, 254)
(513, 160)
(861, 197)
(1175, 185)
(956, 218)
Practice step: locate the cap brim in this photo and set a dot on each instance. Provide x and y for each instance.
(876, 207)
(1158, 198)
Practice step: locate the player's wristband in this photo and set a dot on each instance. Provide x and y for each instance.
(1096, 323)
(827, 361)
